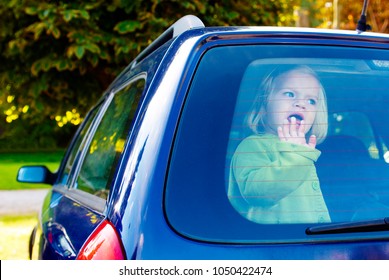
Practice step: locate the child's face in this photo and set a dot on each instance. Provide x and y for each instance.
(296, 95)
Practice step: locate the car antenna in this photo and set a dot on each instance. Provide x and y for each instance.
(362, 25)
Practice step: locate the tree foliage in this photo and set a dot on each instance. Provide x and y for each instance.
(58, 56)
(344, 14)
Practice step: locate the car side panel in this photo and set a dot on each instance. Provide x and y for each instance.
(64, 226)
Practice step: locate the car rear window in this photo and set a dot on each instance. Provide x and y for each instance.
(237, 173)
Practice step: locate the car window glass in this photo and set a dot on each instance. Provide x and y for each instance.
(214, 189)
(354, 124)
(107, 144)
(75, 149)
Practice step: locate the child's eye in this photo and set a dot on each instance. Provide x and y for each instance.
(289, 94)
(312, 101)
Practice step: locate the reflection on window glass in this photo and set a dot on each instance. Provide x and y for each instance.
(354, 124)
(77, 147)
(108, 141)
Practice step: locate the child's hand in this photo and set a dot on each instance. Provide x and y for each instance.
(294, 132)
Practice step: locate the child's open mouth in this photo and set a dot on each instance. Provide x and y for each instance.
(298, 118)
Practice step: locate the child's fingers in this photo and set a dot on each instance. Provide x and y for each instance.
(286, 129)
(301, 129)
(312, 141)
(281, 134)
(293, 127)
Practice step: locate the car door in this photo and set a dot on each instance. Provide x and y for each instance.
(77, 203)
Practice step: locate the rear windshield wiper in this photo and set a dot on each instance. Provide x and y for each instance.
(350, 227)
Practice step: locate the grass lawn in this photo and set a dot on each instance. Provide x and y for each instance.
(11, 162)
(15, 230)
(14, 236)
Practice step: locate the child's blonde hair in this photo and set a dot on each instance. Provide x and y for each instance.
(256, 119)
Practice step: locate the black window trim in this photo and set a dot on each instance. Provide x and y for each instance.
(93, 202)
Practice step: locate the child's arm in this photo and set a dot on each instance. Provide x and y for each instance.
(267, 171)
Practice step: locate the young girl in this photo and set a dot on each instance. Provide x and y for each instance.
(273, 177)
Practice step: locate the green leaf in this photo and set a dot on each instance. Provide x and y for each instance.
(232, 15)
(43, 14)
(68, 15)
(104, 55)
(94, 60)
(127, 26)
(61, 65)
(91, 6)
(77, 36)
(79, 51)
(70, 51)
(84, 14)
(93, 48)
(111, 8)
(36, 67)
(31, 11)
(36, 28)
(56, 33)
(46, 65)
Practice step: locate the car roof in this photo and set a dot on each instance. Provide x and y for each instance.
(191, 26)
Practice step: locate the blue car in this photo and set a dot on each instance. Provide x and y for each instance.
(229, 143)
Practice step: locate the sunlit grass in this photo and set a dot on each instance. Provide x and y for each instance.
(14, 236)
(15, 230)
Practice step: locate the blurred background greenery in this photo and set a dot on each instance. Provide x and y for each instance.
(57, 57)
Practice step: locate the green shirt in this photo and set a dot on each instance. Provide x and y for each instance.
(273, 181)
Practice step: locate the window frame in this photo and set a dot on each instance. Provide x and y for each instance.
(86, 142)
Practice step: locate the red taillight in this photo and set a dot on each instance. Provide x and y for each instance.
(103, 244)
